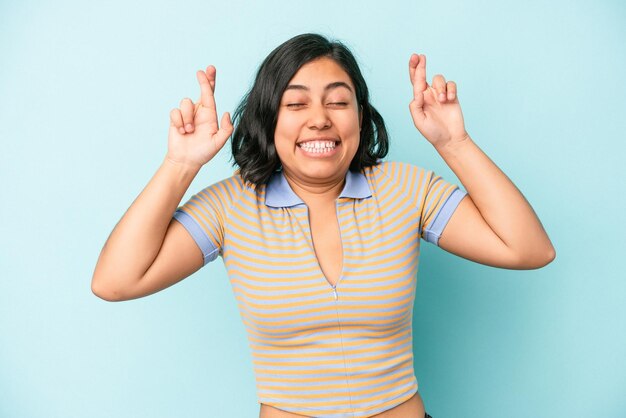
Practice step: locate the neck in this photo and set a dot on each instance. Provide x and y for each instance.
(315, 193)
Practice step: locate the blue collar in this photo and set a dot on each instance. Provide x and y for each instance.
(278, 193)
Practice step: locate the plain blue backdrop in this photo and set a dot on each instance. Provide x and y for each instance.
(85, 94)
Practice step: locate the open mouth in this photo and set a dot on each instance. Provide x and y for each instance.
(318, 147)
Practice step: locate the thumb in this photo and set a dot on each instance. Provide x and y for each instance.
(226, 129)
(416, 107)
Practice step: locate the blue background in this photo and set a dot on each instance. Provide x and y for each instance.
(85, 94)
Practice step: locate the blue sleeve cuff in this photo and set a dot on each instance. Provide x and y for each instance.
(433, 233)
(209, 252)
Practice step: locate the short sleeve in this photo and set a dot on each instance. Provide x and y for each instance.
(439, 202)
(204, 215)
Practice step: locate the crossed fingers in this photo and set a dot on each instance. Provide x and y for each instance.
(441, 90)
(186, 117)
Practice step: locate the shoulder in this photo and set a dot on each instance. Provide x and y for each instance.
(222, 193)
(232, 185)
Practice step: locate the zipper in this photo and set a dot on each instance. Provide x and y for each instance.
(333, 287)
(342, 252)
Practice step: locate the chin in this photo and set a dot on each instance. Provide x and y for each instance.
(322, 174)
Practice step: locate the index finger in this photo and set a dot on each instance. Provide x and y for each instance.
(207, 86)
(417, 72)
(207, 100)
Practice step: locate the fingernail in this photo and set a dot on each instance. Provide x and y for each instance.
(450, 96)
(181, 130)
(188, 127)
(442, 97)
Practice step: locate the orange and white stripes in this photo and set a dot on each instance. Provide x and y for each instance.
(318, 349)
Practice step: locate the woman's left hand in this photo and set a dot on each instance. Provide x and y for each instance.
(435, 109)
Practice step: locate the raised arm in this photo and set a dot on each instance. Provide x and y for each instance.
(494, 224)
(147, 250)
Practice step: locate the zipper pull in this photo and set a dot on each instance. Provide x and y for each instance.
(335, 292)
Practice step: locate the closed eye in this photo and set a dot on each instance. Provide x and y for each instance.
(338, 104)
(295, 105)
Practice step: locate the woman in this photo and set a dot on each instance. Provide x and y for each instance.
(320, 237)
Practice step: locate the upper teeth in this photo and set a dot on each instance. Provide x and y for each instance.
(317, 146)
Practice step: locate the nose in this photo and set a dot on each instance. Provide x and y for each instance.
(318, 117)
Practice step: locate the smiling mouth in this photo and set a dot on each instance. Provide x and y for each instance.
(318, 146)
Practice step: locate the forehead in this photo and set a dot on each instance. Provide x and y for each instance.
(320, 72)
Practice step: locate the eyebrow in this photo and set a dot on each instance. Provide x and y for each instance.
(328, 87)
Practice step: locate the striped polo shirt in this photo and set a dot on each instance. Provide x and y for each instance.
(317, 349)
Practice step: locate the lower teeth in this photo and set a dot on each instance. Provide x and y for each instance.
(325, 149)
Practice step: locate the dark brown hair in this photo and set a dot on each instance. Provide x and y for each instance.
(255, 118)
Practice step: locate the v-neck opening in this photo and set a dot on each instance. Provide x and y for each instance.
(315, 255)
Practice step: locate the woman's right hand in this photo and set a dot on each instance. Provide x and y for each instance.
(194, 135)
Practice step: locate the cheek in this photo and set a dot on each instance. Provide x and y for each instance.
(283, 141)
(286, 129)
(283, 150)
(352, 129)
(351, 126)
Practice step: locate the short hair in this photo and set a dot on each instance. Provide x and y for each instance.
(255, 118)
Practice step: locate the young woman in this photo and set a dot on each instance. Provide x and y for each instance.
(319, 236)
